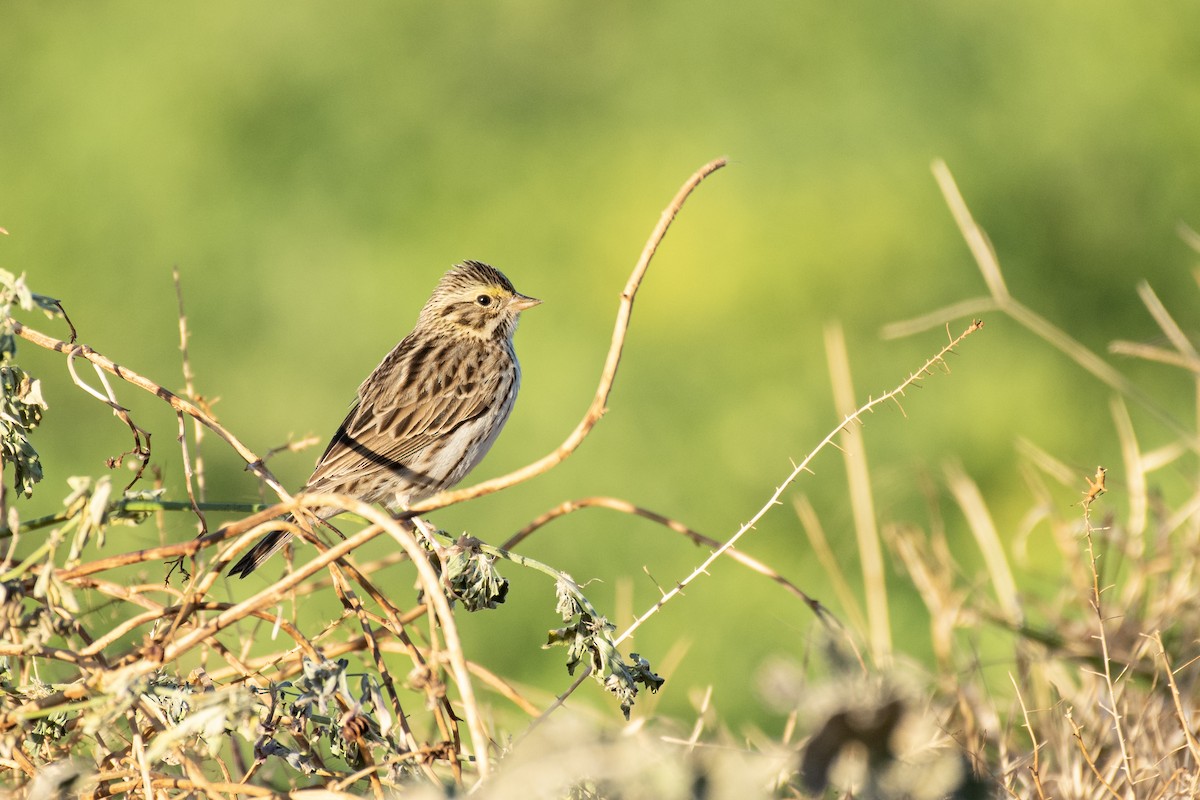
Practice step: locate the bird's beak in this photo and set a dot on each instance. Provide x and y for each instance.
(521, 302)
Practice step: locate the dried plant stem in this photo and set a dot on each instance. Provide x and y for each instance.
(983, 528)
(811, 523)
(379, 522)
(193, 468)
(189, 474)
(1137, 487)
(123, 505)
(165, 782)
(139, 758)
(265, 598)
(1151, 352)
(181, 549)
(98, 645)
(1106, 660)
(1035, 767)
(1185, 724)
(1000, 300)
(141, 437)
(854, 454)
(1077, 732)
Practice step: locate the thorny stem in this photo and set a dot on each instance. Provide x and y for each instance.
(1034, 768)
(894, 394)
(1113, 709)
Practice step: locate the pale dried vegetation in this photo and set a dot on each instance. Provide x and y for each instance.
(156, 690)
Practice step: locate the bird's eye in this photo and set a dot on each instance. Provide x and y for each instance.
(484, 300)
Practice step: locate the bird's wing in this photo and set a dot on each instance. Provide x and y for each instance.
(395, 418)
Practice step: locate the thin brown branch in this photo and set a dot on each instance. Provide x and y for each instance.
(141, 449)
(1088, 759)
(176, 402)
(292, 447)
(1185, 724)
(371, 641)
(193, 467)
(182, 549)
(190, 475)
(1035, 768)
(697, 538)
(151, 616)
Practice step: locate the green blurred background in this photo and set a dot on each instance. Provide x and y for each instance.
(313, 168)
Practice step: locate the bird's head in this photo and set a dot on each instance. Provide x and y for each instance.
(475, 299)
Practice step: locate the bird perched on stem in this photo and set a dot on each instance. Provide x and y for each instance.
(432, 408)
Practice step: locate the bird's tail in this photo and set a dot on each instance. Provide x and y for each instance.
(263, 549)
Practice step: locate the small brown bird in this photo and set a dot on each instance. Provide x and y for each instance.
(432, 409)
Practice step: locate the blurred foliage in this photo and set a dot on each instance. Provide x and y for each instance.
(312, 170)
